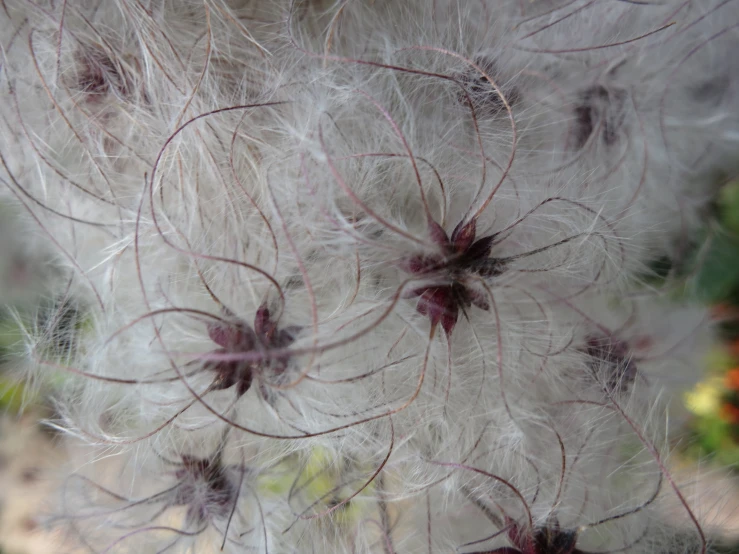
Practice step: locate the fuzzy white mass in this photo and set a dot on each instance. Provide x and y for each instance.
(368, 275)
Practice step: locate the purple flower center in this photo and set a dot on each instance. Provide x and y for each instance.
(240, 338)
(460, 268)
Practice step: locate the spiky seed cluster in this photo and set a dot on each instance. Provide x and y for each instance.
(238, 337)
(462, 258)
(550, 539)
(614, 356)
(205, 489)
(261, 213)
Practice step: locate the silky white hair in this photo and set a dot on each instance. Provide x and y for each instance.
(369, 276)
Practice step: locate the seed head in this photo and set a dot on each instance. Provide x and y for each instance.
(459, 266)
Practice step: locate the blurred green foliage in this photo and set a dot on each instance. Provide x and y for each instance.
(728, 206)
(713, 271)
(12, 391)
(717, 269)
(712, 437)
(55, 328)
(711, 276)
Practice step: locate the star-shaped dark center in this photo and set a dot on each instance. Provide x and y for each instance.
(459, 267)
(240, 338)
(205, 488)
(550, 539)
(612, 361)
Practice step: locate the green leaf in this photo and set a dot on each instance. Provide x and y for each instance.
(12, 395)
(718, 273)
(11, 336)
(728, 200)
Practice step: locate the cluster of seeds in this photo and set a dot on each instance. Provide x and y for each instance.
(264, 212)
